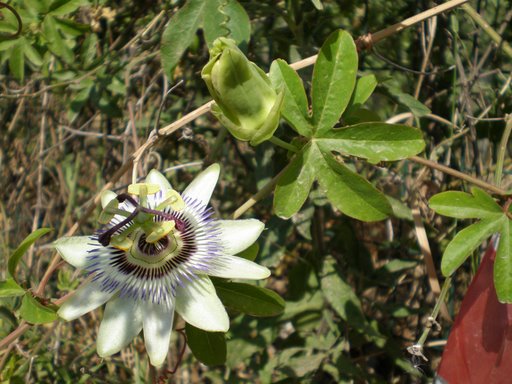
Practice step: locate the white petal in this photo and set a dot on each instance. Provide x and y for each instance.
(75, 249)
(121, 322)
(201, 188)
(155, 177)
(233, 267)
(86, 298)
(237, 235)
(106, 197)
(157, 331)
(198, 304)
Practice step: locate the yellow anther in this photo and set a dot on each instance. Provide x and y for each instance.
(161, 230)
(173, 199)
(121, 242)
(143, 189)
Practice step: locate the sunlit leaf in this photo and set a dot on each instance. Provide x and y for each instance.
(34, 312)
(295, 105)
(466, 241)
(23, 247)
(9, 288)
(503, 264)
(226, 19)
(465, 206)
(374, 141)
(334, 78)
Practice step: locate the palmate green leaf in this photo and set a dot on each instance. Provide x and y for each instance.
(179, 33)
(208, 347)
(55, 41)
(334, 78)
(34, 312)
(23, 247)
(295, 105)
(466, 241)
(350, 193)
(249, 299)
(375, 141)
(293, 186)
(503, 264)
(226, 19)
(9, 288)
(17, 61)
(343, 299)
(462, 205)
(32, 54)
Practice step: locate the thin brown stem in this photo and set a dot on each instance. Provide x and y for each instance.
(459, 175)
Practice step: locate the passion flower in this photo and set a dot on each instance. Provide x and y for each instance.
(153, 257)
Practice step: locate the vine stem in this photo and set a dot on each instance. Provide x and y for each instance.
(458, 174)
(283, 144)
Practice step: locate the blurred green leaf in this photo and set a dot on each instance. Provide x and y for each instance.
(179, 33)
(250, 253)
(23, 247)
(318, 4)
(9, 288)
(295, 105)
(32, 54)
(503, 264)
(466, 241)
(400, 210)
(63, 7)
(249, 299)
(343, 299)
(462, 205)
(34, 312)
(207, 347)
(17, 61)
(226, 18)
(55, 41)
(293, 186)
(417, 108)
(374, 141)
(334, 78)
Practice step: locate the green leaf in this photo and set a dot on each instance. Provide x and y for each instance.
(343, 299)
(249, 299)
(34, 312)
(226, 19)
(417, 108)
(334, 78)
(462, 205)
(250, 253)
(17, 61)
(350, 193)
(32, 54)
(503, 264)
(318, 4)
(23, 247)
(9, 288)
(374, 141)
(179, 34)
(63, 7)
(293, 186)
(466, 241)
(55, 41)
(295, 105)
(363, 90)
(208, 347)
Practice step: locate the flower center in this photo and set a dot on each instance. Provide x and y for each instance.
(156, 253)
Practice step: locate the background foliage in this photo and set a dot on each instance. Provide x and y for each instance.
(81, 90)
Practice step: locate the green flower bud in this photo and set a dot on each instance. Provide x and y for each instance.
(246, 103)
